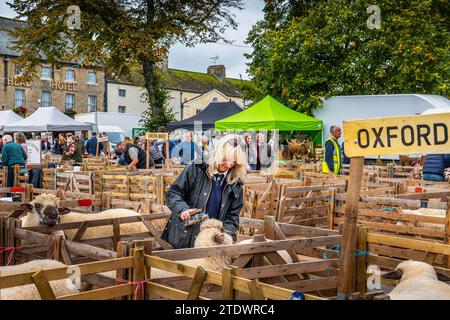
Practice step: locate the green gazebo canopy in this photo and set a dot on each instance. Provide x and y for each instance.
(269, 114)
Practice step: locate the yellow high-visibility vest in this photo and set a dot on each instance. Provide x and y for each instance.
(336, 158)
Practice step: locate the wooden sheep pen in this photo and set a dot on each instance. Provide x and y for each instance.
(133, 282)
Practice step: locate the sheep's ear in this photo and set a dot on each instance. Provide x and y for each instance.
(443, 277)
(394, 275)
(219, 238)
(63, 211)
(26, 206)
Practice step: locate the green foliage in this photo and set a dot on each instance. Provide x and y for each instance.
(118, 34)
(308, 50)
(70, 113)
(163, 116)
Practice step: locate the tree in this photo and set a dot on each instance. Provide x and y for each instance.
(308, 50)
(117, 33)
(152, 121)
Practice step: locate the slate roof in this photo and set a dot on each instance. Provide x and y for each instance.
(6, 25)
(182, 80)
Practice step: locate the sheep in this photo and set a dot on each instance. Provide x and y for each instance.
(418, 281)
(211, 234)
(427, 212)
(44, 209)
(29, 292)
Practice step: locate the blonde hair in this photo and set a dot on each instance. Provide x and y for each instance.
(227, 150)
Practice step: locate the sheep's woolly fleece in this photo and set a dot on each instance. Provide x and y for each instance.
(419, 282)
(29, 292)
(46, 198)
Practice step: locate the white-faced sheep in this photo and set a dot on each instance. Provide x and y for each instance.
(45, 210)
(418, 281)
(211, 234)
(29, 292)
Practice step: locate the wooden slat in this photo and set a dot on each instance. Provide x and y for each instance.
(102, 294)
(197, 284)
(287, 269)
(408, 243)
(43, 286)
(237, 249)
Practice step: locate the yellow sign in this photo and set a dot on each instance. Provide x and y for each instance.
(156, 136)
(398, 135)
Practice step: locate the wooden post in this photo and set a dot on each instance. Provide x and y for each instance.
(362, 261)
(122, 251)
(43, 286)
(447, 230)
(331, 194)
(228, 292)
(148, 155)
(138, 270)
(197, 284)
(116, 232)
(167, 160)
(11, 237)
(256, 292)
(269, 227)
(346, 279)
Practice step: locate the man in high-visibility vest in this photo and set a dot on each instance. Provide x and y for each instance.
(333, 159)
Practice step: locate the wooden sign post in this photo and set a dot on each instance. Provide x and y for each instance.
(428, 134)
(158, 136)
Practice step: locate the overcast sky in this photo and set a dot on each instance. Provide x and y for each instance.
(198, 58)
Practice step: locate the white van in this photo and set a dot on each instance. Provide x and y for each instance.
(115, 135)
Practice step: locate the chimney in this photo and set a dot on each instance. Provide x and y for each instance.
(217, 70)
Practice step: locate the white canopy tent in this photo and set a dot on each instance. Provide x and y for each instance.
(47, 119)
(8, 117)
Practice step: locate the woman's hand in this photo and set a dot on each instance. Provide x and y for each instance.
(185, 215)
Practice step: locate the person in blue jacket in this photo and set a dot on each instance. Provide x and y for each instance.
(91, 146)
(434, 166)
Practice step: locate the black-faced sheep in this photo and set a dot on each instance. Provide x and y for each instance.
(418, 281)
(29, 292)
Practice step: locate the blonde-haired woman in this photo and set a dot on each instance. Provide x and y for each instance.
(216, 188)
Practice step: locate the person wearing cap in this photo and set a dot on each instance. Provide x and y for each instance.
(12, 154)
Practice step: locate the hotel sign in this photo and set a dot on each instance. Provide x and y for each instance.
(55, 85)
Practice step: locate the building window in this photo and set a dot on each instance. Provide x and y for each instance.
(18, 71)
(92, 103)
(122, 109)
(215, 100)
(46, 99)
(46, 73)
(70, 75)
(70, 102)
(92, 77)
(122, 92)
(19, 98)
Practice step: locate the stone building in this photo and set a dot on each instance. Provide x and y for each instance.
(66, 86)
(189, 92)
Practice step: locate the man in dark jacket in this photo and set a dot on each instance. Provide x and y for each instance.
(134, 156)
(216, 188)
(434, 166)
(91, 146)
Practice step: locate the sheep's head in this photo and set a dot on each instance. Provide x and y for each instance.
(212, 233)
(45, 209)
(410, 269)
